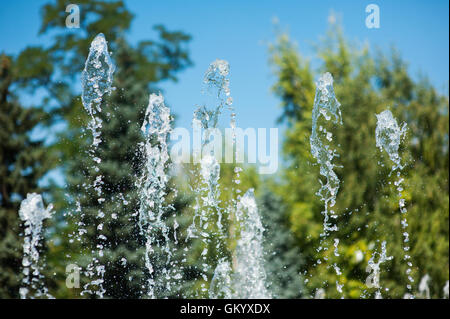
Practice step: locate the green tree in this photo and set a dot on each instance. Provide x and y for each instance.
(23, 159)
(366, 83)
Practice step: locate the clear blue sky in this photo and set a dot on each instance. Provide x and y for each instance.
(239, 31)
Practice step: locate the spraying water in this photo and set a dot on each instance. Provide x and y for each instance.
(249, 276)
(250, 282)
(373, 280)
(445, 290)
(319, 294)
(97, 78)
(221, 283)
(424, 288)
(152, 187)
(388, 137)
(327, 106)
(33, 213)
(207, 206)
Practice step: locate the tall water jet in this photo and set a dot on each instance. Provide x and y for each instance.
(207, 204)
(374, 270)
(250, 275)
(327, 106)
(388, 137)
(33, 213)
(208, 213)
(96, 79)
(152, 186)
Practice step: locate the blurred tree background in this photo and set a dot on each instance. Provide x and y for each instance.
(366, 82)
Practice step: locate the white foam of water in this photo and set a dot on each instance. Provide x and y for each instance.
(152, 186)
(250, 274)
(33, 213)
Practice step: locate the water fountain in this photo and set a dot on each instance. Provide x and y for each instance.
(250, 280)
(152, 187)
(96, 79)
(207, 203)
(245, 276)
(33, 213)
(424, 288)
(373, 280)
(221, 286)
(327, 106)
(388, 137)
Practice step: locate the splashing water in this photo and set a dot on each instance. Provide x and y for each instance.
(216, 79)
(152, 186)
(96, 79)
(249, 262)
(249, 270)
(247, 277)
(320, 294)
(445, 290)
(424, 289)
(207, 204)
(206, 209)
(221, 282)
(388, 137)
(374, 270)
(33, 213)
(327, 106)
